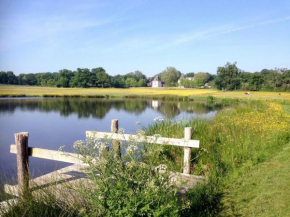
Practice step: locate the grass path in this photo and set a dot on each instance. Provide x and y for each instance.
(264, 191)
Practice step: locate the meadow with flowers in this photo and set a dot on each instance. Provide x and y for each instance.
(141, 92)
(233, 143)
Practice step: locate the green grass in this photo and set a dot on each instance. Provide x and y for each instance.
(286, 108)
(264, 191)
(235, 141)
(44, 203)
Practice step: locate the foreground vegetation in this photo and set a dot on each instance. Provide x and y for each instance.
(236, 140)
(233, 145)
(150, 93)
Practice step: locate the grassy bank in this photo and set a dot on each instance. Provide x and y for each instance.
(231, 145)
(32, 91)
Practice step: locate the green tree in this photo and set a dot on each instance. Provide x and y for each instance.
(286, 81)
(137, 75)
(170, 76)
(93, 76)
(81, 78)
(103, 79)
(3, 78)
(8, 78)
(142, 83)
(131, 82)
(190, 74)
(256, 81)
(201, 78)
(118, 81)
(273, 79)
(64, 77)
(188, 83)
(245, 77)
(11, 78)
(62, 82)
(43, 83)
(27, 79)
(51, 83)
(228, 77)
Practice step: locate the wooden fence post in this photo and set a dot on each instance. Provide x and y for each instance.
(115, 143)
(187, 151)
(21, 141)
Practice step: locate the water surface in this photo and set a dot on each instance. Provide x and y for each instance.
(53, 122)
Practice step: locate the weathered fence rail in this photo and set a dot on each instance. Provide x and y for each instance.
(24, 152)
(50, 155)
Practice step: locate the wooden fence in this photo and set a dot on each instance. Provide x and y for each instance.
(24, 152)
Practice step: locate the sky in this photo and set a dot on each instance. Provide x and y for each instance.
(145, 35)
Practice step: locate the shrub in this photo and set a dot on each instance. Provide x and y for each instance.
(125, 185)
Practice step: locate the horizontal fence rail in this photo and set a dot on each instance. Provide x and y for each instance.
(51, 155)
(145, 139)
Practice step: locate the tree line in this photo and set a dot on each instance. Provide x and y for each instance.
(228, 77)
(82, 77)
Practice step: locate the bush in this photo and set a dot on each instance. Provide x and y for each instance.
(125, 185)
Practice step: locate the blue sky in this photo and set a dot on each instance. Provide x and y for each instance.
(124, 36)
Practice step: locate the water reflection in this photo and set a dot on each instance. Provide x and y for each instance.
(98, 108)
(53, 122)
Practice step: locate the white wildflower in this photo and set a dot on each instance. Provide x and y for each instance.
(97, 143)
(158, 119)
(140, 132)
(103, 146)
(180, 119)
(61, 148)
(78, 144)
(131, 148)
(121, 130)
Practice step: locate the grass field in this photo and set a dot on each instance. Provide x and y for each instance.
(264, 191)
(40, 91)
(16, 90)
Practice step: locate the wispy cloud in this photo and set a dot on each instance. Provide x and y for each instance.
(53, 26)
(146, 42)
(198, 35)
(20, 30)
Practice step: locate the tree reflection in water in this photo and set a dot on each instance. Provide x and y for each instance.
(98, 108)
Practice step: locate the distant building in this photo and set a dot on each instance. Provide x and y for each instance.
(156, 82)
(280, 70)
(207, 86)
(184, 77)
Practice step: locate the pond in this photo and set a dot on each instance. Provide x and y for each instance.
(53, 122)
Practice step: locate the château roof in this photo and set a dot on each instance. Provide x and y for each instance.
(156, 78)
